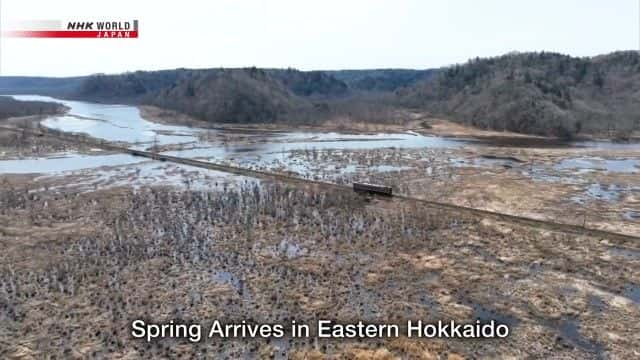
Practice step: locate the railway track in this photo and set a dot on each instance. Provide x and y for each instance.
(267, 175)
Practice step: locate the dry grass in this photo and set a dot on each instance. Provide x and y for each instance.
(270, 253)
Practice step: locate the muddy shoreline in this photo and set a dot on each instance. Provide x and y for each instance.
(15, 146)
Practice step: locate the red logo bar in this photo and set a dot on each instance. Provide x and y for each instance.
(99, 34)
(85, 28)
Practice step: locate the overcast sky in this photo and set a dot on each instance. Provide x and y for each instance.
(306, 34)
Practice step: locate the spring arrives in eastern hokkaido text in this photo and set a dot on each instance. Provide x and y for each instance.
(323, 329)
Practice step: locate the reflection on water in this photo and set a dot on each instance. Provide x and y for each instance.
(149, 173)
(604, 192)
(607, 145)
(632, 291)
(626, 253)
(486, 162)
(609, 165)
(69, 162)
(632, 215)
(113, 123)
(123, 123)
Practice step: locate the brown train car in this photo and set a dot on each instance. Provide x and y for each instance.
(373, 189)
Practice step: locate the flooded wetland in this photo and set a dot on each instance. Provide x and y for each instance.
(112, 237)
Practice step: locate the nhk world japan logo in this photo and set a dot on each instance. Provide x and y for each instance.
(98, 29)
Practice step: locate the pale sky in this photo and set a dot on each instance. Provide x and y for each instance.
(308, 34)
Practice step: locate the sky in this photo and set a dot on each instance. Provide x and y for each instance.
(313, 35)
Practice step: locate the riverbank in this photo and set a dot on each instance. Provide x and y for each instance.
(517, 180)
(419, 123)
(16, 145)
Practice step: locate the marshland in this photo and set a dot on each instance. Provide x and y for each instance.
(92, 240)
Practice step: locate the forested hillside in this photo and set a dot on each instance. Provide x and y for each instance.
(10, 107)
(537, 93)
(247, 95)
(40, 85)
(252, 95)
(382, 79)
(129, 87)
(310, 83)
(231, 95)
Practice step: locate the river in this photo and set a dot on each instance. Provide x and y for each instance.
(123, 123)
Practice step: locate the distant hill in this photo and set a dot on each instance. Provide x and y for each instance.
(382, 79)
(13, 108)
(537, 93)
(310, 83)
(216, 95)
(230, 95)
(39, 85)
(239, 95)
(130, 87)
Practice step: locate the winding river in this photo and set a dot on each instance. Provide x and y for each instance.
(123, 123)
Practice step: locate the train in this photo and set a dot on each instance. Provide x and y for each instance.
(373, 189)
